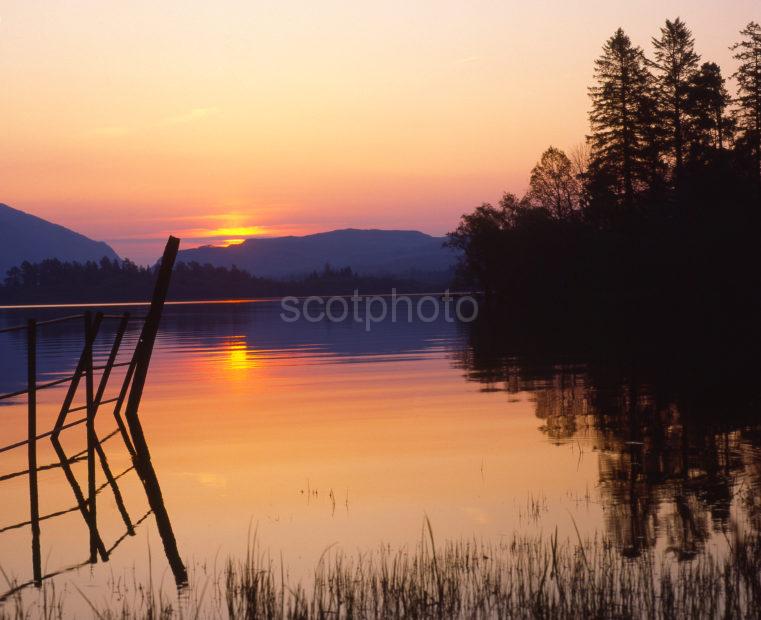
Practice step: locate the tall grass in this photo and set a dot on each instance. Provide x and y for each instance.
(519, 578)
(523, 578)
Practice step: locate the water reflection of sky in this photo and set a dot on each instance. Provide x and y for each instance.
(325, 433)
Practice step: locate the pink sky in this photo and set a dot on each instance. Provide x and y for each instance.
(221, 120)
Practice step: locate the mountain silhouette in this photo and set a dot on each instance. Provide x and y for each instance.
(367, 252)
(27, 237)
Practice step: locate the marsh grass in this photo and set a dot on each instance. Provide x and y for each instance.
(524, 577)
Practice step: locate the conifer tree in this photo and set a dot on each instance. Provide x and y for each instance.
(748, 76)
(711, 128)
(676, 64)
(621, 105)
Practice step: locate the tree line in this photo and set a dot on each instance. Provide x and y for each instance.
(660, 204)
(54, 281)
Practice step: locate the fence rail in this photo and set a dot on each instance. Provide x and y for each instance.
(63, 319)
(128, 425)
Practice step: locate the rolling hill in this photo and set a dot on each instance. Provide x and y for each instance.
(27, 237)
(367, 252)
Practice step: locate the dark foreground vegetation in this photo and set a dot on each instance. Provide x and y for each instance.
(53, 281)
(658, 214)
(518, 578)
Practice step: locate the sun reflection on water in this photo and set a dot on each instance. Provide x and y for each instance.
(239, 357)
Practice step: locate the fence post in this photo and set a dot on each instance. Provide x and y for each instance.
(82, 501)
(90, 425)
(98, 447)
(34, 506)
(142, 458)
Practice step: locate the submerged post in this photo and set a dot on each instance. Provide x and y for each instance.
(34, 505)
(83, 502)
(98, 399)
(142, 458)
(90, 424)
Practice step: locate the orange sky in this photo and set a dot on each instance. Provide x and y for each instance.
(220, 120)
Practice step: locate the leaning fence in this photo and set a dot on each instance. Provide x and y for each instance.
(126, 401)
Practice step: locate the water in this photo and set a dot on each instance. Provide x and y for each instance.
(320, 434)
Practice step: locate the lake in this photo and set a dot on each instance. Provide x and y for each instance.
(317, 435)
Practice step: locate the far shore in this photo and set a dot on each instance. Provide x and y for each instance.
(244, 300)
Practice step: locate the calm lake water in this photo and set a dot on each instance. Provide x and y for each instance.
(320, 434)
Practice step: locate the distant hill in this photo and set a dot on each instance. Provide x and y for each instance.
(26, 237)
(368, 252)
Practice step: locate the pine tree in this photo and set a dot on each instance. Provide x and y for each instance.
(621, 144)
(676, 64)
(711, 128)
(748, 76)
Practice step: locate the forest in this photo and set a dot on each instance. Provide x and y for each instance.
(54, 281)
(657, 213)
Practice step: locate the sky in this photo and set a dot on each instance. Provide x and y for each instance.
(225, 119)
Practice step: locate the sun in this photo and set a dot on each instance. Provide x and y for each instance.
(236, 231)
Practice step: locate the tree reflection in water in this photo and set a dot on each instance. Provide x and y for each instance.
(672, 414)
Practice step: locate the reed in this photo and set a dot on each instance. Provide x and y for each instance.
(525, 577)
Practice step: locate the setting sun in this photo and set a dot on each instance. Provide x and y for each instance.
(237, 231)
(298, 115)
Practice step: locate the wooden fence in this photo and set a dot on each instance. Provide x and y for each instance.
(126, 402)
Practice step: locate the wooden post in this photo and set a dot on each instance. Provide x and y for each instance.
(98, 447)
(120, 402)
(142, 458)
(91, 439)
(80, 370)
(34, 505)
(111, 358)
(82, 502)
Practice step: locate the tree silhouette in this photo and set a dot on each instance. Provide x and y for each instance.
(479, 236)
(661, 219)
(53, 281)
(676, 64)
(553, 185)
(619, 119)
(708, 101)
(748, 76)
